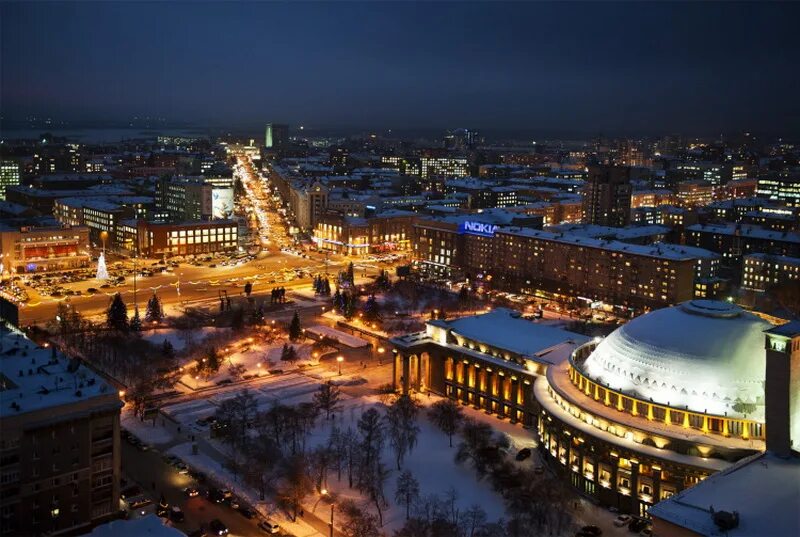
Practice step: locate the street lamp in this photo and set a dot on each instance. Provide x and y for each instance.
(339, 360)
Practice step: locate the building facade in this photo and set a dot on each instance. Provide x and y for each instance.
(60, 447)
(45, 249)
(607, 196)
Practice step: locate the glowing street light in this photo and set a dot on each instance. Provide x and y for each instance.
(339, 360)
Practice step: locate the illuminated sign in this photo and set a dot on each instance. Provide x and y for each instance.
(477, 228)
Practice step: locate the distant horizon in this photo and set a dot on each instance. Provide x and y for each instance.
(621, 69)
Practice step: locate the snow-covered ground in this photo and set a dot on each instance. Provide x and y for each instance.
(256, 359)
(180, 339)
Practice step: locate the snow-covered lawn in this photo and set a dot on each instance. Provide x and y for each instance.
(179, 339)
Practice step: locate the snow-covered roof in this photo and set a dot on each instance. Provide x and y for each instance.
(764, 490)
(618, 233)
(504, 328)
(744, 230)
(34, 378)
(148, 526)
(703, 354)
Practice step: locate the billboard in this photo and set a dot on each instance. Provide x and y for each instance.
(472, 227)
(221, 203)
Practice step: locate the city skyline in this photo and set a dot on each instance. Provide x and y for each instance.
(566, 68)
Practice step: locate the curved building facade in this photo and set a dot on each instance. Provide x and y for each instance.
(664, 401)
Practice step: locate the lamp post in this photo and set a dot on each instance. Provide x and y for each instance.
(331, 534)
(339, 360)
(381, 350)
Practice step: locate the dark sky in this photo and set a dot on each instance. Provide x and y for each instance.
(617, 68)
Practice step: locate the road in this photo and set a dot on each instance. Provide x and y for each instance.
(187, 284)
(149, 470)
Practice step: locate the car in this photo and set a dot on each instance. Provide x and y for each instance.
(215, 495)
(217, 527)
(162, 509)
(592, 531)
(637, 525)
(247, 512)
(622, 520)
(523, 454)
(140, 502)
(191, 492)
(182, 468)
(268, 527)
(234, 502)
(647, 532)
(176, 514)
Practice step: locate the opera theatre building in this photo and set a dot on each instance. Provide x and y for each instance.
(662, 403)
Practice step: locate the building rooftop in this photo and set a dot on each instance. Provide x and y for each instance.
(657, 250)
(764, 490)
(618, 233)
(34, 378)
(745, 230)
(505, 329)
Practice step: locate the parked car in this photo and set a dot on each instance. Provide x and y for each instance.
(591, 531)
(247, 512)
(217, 527)
(268, 527)
(637, 525)
(191, 492)
(622, 520)
(176, 514)
(523, 454)
(215, 495)
(234, 502)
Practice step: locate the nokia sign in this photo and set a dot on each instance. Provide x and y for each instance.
(477, 228)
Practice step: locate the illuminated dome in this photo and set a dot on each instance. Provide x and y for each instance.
(704, 354)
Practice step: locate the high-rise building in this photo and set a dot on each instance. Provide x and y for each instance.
(9, 176)
(276, 136)
(60, 442)
(607, 196)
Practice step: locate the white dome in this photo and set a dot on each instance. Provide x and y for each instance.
(704, 354)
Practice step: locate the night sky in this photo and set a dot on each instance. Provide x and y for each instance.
(613, 68)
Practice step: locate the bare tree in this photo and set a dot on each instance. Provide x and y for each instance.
(297, 483)
(473, 520)
(328, 398)
(401, 420)
(447, 416)
(407, 491)
(358, 522)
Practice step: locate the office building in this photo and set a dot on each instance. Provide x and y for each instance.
(9, 176)
(762, 271)
(783, 188)
(607, 196)
(695, 193)
(185, 199)
(276, 136)
(431, 167)
(60, 444)
(44, 249)
(167, 239)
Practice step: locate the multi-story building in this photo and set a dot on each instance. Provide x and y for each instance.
(43, 201)
(9, 176)
(783, 188)
(387, 231)
(733, 241)
(607, 196)
(276, 136)
(166, 239)
(60, 444)
(185, 199)
(695, 193)
(443, 167)
(44, 249)
(652, 198)
(762, 271)
(308, 203)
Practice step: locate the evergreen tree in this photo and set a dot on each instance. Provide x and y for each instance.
(338, 305)
(326, 287)
(167, 350)
(288, 353)
(371, 309)
(154, 310)
(350, 275)
(295, 331)
(117, 314)
(212, 360)
(136, 321)
(248, 288)
(349, 306)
